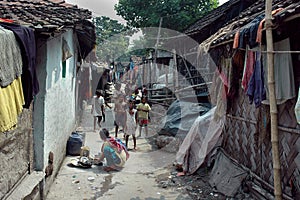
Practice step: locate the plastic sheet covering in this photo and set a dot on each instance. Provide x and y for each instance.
(226, 176)
(199, 142)
(180, 117)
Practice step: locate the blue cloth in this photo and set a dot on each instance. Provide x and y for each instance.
(256, 88)
(131, 66)
(249, 32)
(26, 38)
(118, 140)
(111, 157)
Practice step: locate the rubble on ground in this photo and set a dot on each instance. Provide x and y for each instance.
(197, 185)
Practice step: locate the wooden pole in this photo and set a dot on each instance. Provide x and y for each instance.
(175, 80)
(156, 47)
(167, 79)
(150, 71)
(273, 105)
(143, 74)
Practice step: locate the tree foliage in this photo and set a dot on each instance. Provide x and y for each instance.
(176, 14)
(112, 38)
(139, 46)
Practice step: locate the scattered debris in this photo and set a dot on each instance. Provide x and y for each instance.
(75, 181)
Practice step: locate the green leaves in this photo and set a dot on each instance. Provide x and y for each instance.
(112, 38)
(177, 14)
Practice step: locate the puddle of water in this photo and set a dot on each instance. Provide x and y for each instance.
(105, 186)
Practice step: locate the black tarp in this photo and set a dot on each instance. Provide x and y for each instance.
(181, 115)
(226, 176)
(86, 37)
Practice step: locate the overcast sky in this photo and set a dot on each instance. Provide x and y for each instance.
(222, 1)
(99, 7)
(104, 7)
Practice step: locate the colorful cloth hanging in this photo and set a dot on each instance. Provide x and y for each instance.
(11, 105)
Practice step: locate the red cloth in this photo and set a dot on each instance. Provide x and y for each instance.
(143, 122)
(119, 146)
(249, 68)
(260, 27)
(236, 39)
(225, 84)
(6, 20)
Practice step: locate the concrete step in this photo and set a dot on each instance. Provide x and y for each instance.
(28, 188)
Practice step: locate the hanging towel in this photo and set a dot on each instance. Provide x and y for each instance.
(297, 108)
(11, 105)
(10, 56)
(26, 38)
(283, 72)
(256, 87)
(248, 68)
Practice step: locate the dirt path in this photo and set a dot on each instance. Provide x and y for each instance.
(138, 180)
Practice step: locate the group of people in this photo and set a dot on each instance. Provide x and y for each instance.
(129, 116)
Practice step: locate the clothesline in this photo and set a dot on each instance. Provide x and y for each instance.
(220, 44)
(280, 51)
(255, 50)
(193, 86)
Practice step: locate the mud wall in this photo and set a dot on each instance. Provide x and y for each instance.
(16, 153)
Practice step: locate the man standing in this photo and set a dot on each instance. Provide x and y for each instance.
(98, 108)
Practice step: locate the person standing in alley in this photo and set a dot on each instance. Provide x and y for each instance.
(105, 105)
(143, 110)
(131, 70)
(131, 124)
(119, 109)
(144, 90)
(97, 108)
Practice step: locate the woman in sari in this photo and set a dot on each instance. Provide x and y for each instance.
(113, 150)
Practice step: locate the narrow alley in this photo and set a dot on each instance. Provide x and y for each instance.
(137, 180)
(215, 85)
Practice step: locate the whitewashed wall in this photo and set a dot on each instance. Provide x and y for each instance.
(54, 113)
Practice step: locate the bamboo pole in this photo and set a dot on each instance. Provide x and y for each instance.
(167, 79)
(273, 105)
(150, 71)
(175, 78)
(156, 47)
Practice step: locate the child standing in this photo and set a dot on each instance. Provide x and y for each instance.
(119, 108)
(131, 124)
(143, 109)
(120, 114)
(144, 90)
(97, 108)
